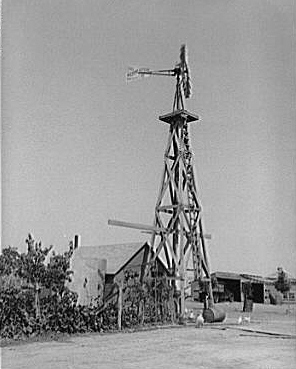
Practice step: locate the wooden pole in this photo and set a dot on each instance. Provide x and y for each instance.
(120, 303)
(182, 275)
(143, 227)
(37, 300)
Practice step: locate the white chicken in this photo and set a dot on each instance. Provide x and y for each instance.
(247, 320)
(199, 321)
(239, 320)
(191, 315)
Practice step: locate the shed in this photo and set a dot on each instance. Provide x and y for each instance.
(259, 289)
(232, 283)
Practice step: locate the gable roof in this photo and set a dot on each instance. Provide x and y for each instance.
(132, 257)
(116, 255)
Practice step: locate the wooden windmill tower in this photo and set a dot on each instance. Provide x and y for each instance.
(178, 233)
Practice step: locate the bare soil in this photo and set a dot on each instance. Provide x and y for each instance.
(267, 342)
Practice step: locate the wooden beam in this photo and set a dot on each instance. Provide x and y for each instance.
(146, 228)
(120, 305)
(157, 230)
(143, 227)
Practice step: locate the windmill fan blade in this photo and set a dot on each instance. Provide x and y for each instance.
(185, 71)
(186, 83)
(183, 54)
(187, 87)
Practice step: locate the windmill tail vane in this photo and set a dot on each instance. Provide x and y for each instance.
(181, 72)
(136, 73)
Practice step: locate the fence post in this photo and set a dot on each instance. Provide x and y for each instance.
(37, 300)
(120, 301)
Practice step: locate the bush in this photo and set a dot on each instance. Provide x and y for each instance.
(148, 302)
(15, 307)
(34, 299)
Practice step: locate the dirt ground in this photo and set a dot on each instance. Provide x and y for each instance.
(220, 345)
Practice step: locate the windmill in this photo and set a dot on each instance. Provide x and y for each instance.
(178, 232)
(181, 72)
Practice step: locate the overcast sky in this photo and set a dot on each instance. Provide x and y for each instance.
(80, 146)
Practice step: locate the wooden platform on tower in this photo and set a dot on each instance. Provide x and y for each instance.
(179, 116)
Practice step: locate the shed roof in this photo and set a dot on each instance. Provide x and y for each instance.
(116, 255)
(230, 275)
(240, 277)
(227, 275)
(254, 278)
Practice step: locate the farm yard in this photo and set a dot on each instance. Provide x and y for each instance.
(267, 342)
(83, 151)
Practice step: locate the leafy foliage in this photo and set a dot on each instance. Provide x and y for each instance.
(32, 267)
(14, 306)
(10, 261)
(149, 302)
(282, 283)
(58, 271)
(34, 298)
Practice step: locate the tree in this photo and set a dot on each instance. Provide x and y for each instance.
(57, 271)
(282, 283)
(10, 261)
(33, 269)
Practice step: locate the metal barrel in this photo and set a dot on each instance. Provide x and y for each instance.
(213, 314)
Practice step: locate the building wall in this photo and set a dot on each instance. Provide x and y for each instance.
(88, 278)
(109, 285)
(258, 292)
(233, 286)
(112, 281)
(134, 265)
(267, 288)
(290, 296)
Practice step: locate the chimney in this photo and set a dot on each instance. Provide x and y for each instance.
(77, 241)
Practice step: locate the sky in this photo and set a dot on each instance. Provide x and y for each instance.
(81, 146)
